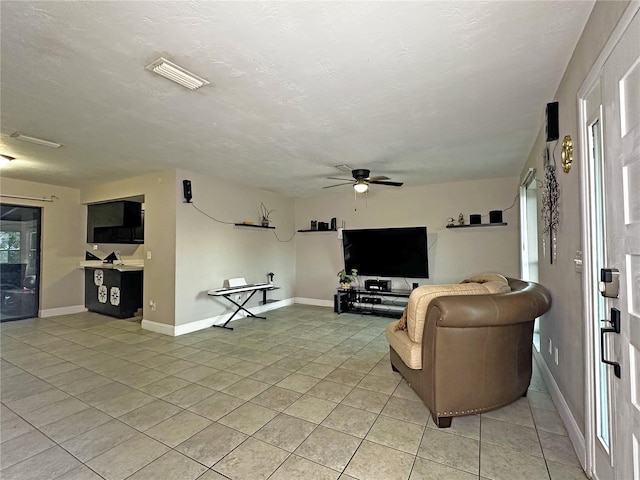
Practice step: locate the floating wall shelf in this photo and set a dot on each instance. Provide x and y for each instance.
(317, 231)
(252, 226)
(479, 225)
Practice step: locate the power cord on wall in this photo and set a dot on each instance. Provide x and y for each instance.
(209, 216)
(283, 241)
(233, 223)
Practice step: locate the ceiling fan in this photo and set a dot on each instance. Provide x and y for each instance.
(362, 180)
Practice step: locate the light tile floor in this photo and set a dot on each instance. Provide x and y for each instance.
(306, 394)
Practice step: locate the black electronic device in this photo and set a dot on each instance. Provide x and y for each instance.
(334, 223)
(387, 252)
(380, 285)
(186, 187)
(371, 300)
(323, 226)
(495, 216)
(553, 129)
(415, 285)
(314, 225)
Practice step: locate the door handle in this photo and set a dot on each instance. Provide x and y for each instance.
(615, 328)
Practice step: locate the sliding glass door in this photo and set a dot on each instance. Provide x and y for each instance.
(19, 261)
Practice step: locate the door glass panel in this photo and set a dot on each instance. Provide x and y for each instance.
(19, 261)
(529, 236)
(602, 379)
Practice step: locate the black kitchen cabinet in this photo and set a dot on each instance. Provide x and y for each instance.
(115, 222)
(112, 292)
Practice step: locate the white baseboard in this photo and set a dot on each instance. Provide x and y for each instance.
(575, 435)
(177, 330)
(158, 327)
(313, 301)
(54, 312)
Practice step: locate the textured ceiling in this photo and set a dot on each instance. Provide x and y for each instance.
(423, 92)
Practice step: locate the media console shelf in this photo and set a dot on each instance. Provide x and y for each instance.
(372, 302)
(250, 225)
(504, 224)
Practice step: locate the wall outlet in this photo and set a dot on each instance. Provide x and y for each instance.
(148, 254)
(152, 304)
(555, 356)
(95, 247)
(550, 347)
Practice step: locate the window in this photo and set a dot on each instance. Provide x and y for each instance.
(10, 247)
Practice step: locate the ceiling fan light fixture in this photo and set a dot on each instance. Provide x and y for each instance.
(36, 140)
(175, 73)
(361, 186)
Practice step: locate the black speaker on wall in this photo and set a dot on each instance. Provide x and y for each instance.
(186, 186)
(553, 128)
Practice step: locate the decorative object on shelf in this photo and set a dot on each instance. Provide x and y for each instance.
(264, 215)
(450, 222)
(346, 279)
(461, 219)
(567, 153)
(550, 201)
(495, 216)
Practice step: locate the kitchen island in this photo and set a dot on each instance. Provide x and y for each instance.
(113, 289)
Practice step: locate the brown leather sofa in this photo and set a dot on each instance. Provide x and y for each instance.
(476, 350)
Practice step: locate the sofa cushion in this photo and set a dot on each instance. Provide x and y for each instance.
(497, 287)
(410, 352)
(421, 298)
(487, 277)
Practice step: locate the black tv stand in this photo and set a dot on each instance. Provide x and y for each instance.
(371, 302)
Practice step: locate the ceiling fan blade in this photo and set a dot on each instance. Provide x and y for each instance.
(339, 178)
(375, 179)
(382, 182)
(339, 184)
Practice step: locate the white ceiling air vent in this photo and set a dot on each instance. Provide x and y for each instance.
(173, 72)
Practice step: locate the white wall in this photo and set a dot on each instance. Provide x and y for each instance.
(160, 236)
(453, 254)
(63, 236)
(208, 252)
(563, 324)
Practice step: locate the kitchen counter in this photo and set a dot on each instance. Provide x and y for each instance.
(125, 266)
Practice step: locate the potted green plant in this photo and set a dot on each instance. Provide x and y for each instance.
(264, 215)
(346, 279)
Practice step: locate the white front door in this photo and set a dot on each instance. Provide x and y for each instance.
(621, 100)
(610, 117)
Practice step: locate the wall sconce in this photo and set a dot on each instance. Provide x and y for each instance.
(567, 153)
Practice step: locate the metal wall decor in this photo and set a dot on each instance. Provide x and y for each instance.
(550, 201)
(567, 153)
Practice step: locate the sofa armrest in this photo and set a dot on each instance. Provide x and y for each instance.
(525, 304)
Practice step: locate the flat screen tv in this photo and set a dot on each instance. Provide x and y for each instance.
(387, 252)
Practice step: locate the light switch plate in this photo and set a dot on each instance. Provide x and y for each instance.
(577, 259)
